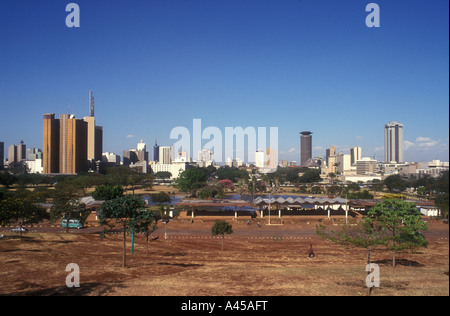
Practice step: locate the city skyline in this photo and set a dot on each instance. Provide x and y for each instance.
(295, 65)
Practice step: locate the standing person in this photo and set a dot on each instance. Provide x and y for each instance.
(311, 252)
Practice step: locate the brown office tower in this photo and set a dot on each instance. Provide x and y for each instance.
(50, 152)
(72, 145)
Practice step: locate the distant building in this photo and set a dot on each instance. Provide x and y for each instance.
(164, 155)
(50, 152)
(355, 155)
(393, 142)
(205, 157)
(175, 168)
(156, 152)
(343, 163)
(305, 147)
(260, 159)
(111, 159)
(366, 166)
(71, 145)
(17, 153)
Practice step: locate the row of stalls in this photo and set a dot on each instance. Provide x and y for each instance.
(303, 206)
(266, 206)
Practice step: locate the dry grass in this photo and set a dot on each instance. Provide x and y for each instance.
(197, 266)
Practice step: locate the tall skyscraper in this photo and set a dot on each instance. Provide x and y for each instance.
(156, 152)
(142, 152)
(72, 144)
(305, 147)
(355, 155)
(164, 155)
(393, 142)
(50, 152)
(17, 153)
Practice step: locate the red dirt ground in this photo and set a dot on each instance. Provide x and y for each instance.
(266, 260)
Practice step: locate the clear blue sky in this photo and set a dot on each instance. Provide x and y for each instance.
(294, 64)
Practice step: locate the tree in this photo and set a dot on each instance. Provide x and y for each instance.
(107, 192)
(363, 235)
(161, 197)
(66, 201)
(310, 176)
(403, 222)
(227, 184)
(146, 225)
(222, 228)
(128, 177)
(395, 183)
(192, 179)
(21, 209)
(125, 211)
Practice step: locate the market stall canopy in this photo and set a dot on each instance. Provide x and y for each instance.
(300, 201)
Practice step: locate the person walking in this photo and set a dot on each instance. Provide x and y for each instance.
(311, 252)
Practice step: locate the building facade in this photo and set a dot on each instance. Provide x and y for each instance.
(393, 142)
(305, 147)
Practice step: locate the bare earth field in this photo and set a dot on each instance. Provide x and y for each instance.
(255, 262)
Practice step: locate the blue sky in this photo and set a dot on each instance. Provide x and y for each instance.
(293, 64)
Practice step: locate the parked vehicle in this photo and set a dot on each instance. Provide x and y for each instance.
(19, 229)
(73, 223)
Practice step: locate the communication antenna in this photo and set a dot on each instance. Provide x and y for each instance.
(91, 103)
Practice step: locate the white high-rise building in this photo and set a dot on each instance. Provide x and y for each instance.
(355, 155)
(164, 155)
(393, 142)
(260, 157)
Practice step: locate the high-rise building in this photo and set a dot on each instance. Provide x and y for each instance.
(50, 152)
(17, 153)
(393, 142)
(142, 153)
(271, 161)
(72, 144)
(355, 155)
(164, 155)
(260, 159)
(156, 152)
(94, 140)
(305, 147)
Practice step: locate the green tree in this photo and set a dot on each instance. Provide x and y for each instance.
(310, 176)
(222, 228)
(161, 197)
(66, 201)
(129, 178)
(395, 183)
(364, 235)
(22, 210)
(403, 222)
(126, 211)
(192, 179)
(146, 224)
(107, 192)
